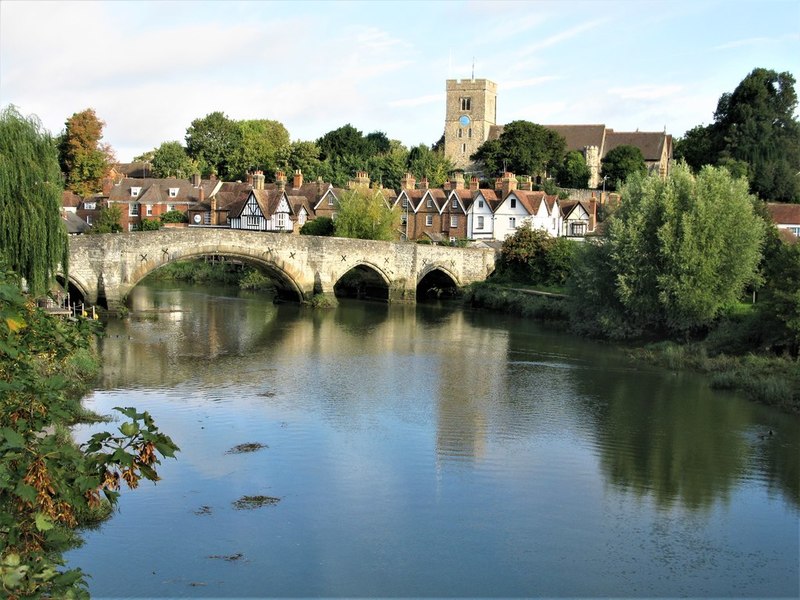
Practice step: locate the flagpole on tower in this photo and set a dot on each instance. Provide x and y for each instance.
(473, 68)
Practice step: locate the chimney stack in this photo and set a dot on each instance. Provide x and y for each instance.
(526, 184)
(196, 179)
(298, 179)
(280, 181)
(457, 181)
(408, 182)
(473, 184)
(508, 183)
(258, 180)
(361, 180)
(423, 183)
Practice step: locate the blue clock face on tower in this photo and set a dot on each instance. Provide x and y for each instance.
(464, 120)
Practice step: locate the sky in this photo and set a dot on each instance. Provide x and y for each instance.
(149, 68)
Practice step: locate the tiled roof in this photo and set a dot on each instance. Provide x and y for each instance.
(70, 199)
(580, 136)
(651, 143)
(784, 214)
(74, 223)
(153, 189)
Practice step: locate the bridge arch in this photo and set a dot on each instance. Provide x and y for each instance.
(280, 274)
(77, 289)
(363, 280)
(437, 280)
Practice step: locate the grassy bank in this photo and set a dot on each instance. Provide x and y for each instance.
(515, 301)
(213, 272)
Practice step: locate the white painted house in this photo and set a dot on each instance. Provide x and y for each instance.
(480, 215)
(263, 210)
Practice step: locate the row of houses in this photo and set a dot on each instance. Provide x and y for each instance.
(456, 211)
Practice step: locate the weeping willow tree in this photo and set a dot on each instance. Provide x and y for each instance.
(33, 239)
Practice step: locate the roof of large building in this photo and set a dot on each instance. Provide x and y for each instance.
(784, 214)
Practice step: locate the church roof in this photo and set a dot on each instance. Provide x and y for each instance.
(651, 143)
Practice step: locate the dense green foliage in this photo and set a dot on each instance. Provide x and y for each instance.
(522, 148)
(108, 221)
(149, 225)
(319, 226)
(679, 251)
(532, 256)
(503, 299)
(364, 214)
(573, 171)
(262, 141)
(48, 485)
(779, 298)
(33, 239)
(171, 160)
(84, 160)
(620, 163)
(213, 142)
(174, 216)
(755, 133)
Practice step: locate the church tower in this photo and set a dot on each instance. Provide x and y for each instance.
(471, 111)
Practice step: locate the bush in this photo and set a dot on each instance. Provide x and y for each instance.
(319, 226)
(174, 216)
(149, 225)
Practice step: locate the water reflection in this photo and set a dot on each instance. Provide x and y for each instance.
(670, 438)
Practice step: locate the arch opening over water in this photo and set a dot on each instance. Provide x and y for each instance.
(436, 284)
(362, 281)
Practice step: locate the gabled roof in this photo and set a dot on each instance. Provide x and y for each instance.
(74, 223)
(784, 214)
(651, 143)
(70, 199)
(580, 136)
(157, 190)
(569, 206)
(298, 203)
(414, 198)
(268, 202)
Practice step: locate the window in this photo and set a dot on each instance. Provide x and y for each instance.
(429, 203)
(470, 132)
(459, 132)
(428, 220)
(453, 221)
(795, 230)
(207, 218)
(252, 220)
(455, 203)
(131, 226)
(480, 223)
(133, 209)
(513, 203)
(480, 203)
(512, 222)
(405, 202)
(88, 219)
(135, 191)
(173, 192)
(280, 220)
(403, 219)
(148, 210)
(89, 205)
(170, 207)
(578, 228)
(330, 200)
(466, 103)
(463, 148)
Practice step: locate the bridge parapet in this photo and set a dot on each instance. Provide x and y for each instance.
(108, 266)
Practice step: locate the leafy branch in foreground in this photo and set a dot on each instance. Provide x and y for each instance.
(48, 484)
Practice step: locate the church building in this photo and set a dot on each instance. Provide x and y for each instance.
(471, 119)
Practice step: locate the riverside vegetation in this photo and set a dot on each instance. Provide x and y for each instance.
(673, 275)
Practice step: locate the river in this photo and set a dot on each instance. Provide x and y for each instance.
(430, 451)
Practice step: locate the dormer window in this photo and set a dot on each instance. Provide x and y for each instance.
(173, 192)
(135, 191)
(89, 205)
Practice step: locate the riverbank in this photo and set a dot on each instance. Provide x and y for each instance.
(767, 379)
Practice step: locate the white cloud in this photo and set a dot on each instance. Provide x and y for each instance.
(419, 100)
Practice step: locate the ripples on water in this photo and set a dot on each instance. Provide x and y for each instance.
(432, 452)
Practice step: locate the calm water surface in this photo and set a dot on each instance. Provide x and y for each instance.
(430, 451)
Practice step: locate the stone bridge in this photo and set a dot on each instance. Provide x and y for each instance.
(105, 268)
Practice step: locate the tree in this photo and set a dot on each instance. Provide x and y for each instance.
(33, 239)
(424, 162)
(262, 141)
(523, 148)
(171, 160)
(364, 214)
(621, 162)
(109, 220)
(573, 172)
(779, 298)
(346, 140)
(532, 256)
(754, 132)
(683, 248)
(755, 123)
(84, 160)
(213, 141)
